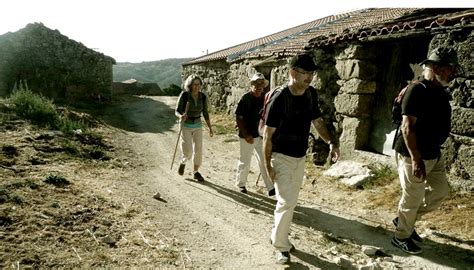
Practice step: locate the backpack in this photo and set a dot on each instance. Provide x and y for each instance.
(268, 101)
(397, 108)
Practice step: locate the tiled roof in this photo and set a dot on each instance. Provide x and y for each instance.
(352, 25)
(254, 44)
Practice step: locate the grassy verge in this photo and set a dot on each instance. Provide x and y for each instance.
(223, 123)
(42, 112)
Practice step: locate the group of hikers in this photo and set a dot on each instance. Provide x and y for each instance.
(280, 149)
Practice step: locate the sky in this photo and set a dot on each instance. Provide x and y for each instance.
(149, 30)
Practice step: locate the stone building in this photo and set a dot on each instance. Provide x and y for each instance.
(134, 87)
(52, 64)
(367, 56)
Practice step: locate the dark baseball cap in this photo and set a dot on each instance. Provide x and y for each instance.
(442, 56)
(303, 61)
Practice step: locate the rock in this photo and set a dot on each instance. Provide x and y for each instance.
(252, 211)
(345, 262)
(157, 196)
(108, 240)
(373, 251)
(349, 172)
(371, 266)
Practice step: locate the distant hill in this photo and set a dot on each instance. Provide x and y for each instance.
(164, 72)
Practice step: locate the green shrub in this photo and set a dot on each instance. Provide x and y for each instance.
(172, 90)
(68, 126)
(42, 112)
(36, 108)
(382, 175)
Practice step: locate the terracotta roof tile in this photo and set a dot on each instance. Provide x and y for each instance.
(331, 29)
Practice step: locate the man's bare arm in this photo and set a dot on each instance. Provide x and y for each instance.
(409, 135)
(267, 150)
(324, 133)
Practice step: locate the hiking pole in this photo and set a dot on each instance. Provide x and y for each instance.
(258, 178)
(179, 135)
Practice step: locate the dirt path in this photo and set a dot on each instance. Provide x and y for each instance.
(219, 227)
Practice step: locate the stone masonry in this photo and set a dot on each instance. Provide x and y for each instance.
(52, 64)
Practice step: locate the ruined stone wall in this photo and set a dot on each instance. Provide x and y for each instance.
(215, 79)
(459, 148)
(53, 64)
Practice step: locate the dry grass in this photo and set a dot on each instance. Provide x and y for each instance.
(54, 213)
(454, 219)
(223, 123)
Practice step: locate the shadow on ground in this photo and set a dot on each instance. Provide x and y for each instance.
(357, 232)
(145, 115)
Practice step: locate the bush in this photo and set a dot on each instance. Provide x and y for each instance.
(38, 109)
(42, 112)
(172, 90)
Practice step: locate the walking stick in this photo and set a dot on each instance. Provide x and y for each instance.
(258, 178)
(179, 135)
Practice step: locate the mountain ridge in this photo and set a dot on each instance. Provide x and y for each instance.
(164, 72)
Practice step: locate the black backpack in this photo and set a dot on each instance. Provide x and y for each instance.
(268, 100)
(397, 109)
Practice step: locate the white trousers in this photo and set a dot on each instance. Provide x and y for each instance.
(191, 145)
(243, 165)
(289, 178)
(419, 198)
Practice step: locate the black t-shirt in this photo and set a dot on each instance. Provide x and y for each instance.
(430, 105)
(291, 116)
(249, 108)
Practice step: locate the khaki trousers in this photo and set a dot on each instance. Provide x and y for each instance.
(191, 145)
(419, 198)
(289, 177)
(243, 165)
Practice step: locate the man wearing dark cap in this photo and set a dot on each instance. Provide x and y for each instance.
(285, 142)
(426, 124)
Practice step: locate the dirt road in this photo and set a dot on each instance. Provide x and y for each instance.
(219, 227)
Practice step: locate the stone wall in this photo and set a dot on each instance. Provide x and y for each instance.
(459, 148)
(356, 87)
(216, 83)
(53, 64)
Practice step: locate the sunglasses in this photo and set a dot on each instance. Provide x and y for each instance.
(302, 71)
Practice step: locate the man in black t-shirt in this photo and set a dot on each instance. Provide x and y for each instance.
(426, 124)
(247, 116)
(285, 142)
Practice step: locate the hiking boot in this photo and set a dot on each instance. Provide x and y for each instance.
(271, 192)
(243, 190)
(282, 257)
(181, 168)
(414, 236)
(406, 245)
(198, 177)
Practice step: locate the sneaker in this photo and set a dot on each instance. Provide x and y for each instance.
(414, 236)
(181, 168)
(243, 190)
(283, 257)
(271, 192)
(198, 177)
(406, 245)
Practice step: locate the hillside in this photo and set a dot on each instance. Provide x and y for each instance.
(164, 72)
